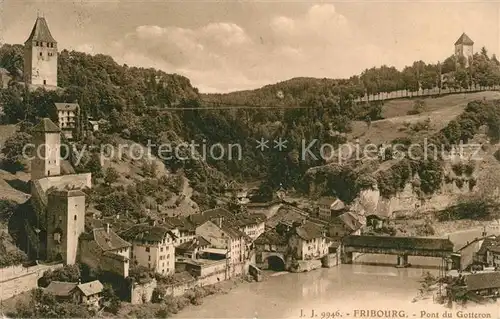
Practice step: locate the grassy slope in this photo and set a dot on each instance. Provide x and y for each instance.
(440, 111)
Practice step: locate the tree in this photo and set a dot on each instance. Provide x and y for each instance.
(15, 151)
(69, 273)
(110, 299)
(111, 176)
(44, 305)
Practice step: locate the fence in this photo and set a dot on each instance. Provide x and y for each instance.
(383, 96)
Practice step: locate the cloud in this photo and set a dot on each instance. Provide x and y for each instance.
(223, 56)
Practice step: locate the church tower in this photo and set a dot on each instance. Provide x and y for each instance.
(40, 56)
(46, 158)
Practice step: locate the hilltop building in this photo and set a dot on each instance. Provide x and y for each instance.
(464, 47)
(40, 57)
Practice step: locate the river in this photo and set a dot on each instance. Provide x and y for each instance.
(371, 283)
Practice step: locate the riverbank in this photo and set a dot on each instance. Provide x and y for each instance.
(173, 305)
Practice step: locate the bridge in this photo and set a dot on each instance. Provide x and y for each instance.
(400, 246)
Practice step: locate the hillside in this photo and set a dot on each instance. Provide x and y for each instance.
(396, 122)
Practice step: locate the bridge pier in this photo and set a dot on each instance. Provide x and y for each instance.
(346, 257)
(402, 261)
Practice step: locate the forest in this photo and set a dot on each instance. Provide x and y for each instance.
(132, 99)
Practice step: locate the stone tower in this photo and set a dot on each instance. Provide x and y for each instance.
(65, 223)
(40, 56)
(46, 158)
(464, 47)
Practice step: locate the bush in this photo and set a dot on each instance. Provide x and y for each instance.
(419, 106)
(69, 273)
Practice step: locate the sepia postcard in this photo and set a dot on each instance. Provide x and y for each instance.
(249, 159)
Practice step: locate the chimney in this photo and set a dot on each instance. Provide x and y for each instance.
(107, 228)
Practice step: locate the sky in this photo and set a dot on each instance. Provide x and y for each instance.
(223, 46)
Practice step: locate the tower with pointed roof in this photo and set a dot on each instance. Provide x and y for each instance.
(46, 158)
(464, 46)
(40, 56)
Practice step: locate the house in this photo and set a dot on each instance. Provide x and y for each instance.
(343, 225)
(308, 241)
(493, 255)
(475, 252)
(152, 247)
(67, 116)
(63, 291)
(191, 248)
(103, 249)
(89, 293)
(251, 224)
(375, 221)
(182, 227)
(486, 284)
(225, 237)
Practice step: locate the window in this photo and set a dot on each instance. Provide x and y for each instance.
(161, 249)
(40, 54)
(149, 258)
(75, 217)
(36, 43)
(147, 249)
(44, 82)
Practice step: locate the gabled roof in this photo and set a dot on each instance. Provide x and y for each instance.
(46, 126)
(481, 281)
(327, 200)
(146, 232)
(464, 39)
(198, 242)
(271, 237)
(109, 241)
(309, 231)
(41, 32)
(91, 288)
(67, 106)
(350, 221)
(61, 288)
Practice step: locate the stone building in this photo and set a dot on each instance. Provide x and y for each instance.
(56, 197)
(152, 247)
(464, 47)
(40, 56)
(308, 241)
(103, 249)
(68, 115)
(65, 224)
